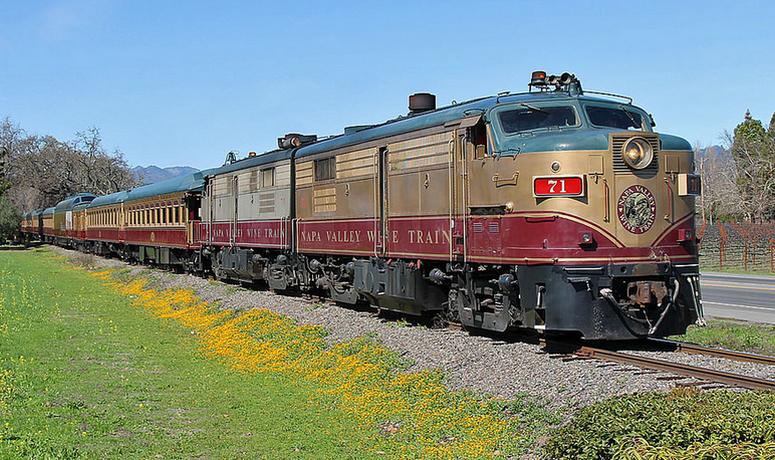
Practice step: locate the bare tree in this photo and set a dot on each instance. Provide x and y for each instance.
(719, 196)
(43, 170)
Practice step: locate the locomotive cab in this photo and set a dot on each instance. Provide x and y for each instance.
(591, 210)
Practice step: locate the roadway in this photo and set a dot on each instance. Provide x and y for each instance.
(743, 297)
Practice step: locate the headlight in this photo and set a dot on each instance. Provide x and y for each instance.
(637, 153)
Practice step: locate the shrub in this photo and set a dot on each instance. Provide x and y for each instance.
(684, 423)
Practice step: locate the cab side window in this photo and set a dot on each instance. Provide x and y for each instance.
(477, 136)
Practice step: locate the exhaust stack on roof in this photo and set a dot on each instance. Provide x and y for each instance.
(421, 102)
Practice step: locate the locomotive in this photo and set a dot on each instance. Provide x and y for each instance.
(556, 209)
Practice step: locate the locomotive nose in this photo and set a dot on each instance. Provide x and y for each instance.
(638, 193)
(652, 191)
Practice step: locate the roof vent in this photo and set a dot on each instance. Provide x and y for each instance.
(421, 102)
(295, 140)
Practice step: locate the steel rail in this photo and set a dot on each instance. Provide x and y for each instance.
(728, 378)
(694, 349)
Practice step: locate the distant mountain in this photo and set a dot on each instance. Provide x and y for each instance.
(716, 151)
(152, 174)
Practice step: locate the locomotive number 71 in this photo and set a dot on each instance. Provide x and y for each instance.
(558, 186)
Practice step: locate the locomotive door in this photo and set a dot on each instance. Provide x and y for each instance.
(422, 197)
(460, 195)
(463, 155)
(210, 211)
(235, 213)
(489, 183)
(381, 192)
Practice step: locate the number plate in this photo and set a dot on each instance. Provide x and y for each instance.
(558, 186)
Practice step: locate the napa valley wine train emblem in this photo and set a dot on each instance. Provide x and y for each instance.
(535, 209)
(637, 209)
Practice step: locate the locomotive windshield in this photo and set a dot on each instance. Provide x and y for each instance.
(615, 117)
(528, 118)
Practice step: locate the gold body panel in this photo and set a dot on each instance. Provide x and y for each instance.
(509, 181)
(437, 172)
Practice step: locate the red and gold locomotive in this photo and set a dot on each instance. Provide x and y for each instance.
(555, 209)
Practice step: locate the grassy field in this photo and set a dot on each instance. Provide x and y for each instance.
(741, 336)
(95, 366)
(86, 375)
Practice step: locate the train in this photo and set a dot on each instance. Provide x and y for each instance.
(555, 209)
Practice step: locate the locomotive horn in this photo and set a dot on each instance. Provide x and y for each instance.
(295, 140)
(566, 78)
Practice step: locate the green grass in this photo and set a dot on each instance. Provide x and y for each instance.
(750, 337)
(738, 271)
(84, 374)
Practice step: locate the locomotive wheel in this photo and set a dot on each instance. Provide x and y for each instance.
(439, 320)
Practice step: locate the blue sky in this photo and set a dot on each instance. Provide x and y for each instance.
(181, 83)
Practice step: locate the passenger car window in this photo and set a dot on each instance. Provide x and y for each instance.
(615, 117)
(528, 118)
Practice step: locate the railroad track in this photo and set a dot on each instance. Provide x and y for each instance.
(686, 370)
(693, 349)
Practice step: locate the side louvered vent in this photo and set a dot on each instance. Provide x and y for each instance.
(266, 203)
(620, 167)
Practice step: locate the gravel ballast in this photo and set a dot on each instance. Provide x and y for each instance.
(504, 367)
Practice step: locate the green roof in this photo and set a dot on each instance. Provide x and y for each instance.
(186, 183)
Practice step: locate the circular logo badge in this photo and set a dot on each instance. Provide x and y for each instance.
(637, 209)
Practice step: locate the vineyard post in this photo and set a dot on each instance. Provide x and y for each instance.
(722, 233)
(772, 255)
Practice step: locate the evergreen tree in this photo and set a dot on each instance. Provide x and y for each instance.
(753, 151)
(771, 130)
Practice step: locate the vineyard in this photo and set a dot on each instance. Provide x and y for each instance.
(737, 247)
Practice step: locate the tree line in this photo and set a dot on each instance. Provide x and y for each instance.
(38, 171)
(739, 178)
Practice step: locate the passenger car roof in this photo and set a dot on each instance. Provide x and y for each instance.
(69, 202)
(185, 183)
